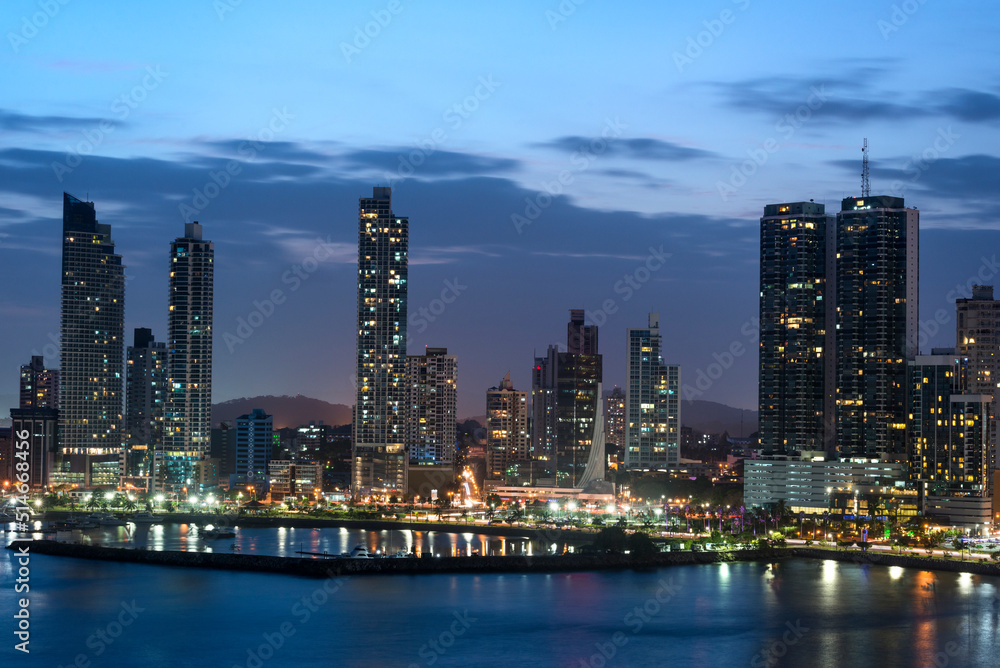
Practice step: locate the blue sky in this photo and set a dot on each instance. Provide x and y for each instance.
(474, 113)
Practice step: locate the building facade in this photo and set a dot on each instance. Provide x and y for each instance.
(652, 404)
(91, 350)
(797, 310)
(187, 433)
(294, 478)
(506, 428)
(254, 442)
(949, 450)
(379, 459)
(807, 482)
(432, 405)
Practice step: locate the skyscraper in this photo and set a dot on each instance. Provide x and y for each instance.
(39, 386)
(566, 406)
(91, 350)
(431, 408)
(795, 392)
(379, 460)
(145, 402)
(978, 340)
(652, 404)
(506, 428)
(187, 432)
(877, 329)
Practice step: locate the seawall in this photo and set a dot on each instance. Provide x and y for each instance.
(904, 560)
(321, 567)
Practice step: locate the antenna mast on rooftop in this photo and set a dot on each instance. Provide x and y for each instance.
(866, 189)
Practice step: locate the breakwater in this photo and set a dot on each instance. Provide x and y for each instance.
(324, 567)
(552, 535)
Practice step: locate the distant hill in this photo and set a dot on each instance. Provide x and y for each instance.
(287, 411)
(710, 417)
(706, 416)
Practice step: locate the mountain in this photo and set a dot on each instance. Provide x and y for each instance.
(705, 416)
(710, 417)
(287, 411)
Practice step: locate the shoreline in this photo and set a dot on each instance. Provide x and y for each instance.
(324, 567)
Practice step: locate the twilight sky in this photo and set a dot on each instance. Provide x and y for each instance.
(549, 155)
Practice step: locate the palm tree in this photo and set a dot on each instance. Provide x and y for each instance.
(130, 505)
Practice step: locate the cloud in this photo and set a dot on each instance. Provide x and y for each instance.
(967, 105)
(405, 161)
(856, 98)
(640, 148)
(11, 121)
(240, 149)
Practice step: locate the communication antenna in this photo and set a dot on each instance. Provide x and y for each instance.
(866, 188)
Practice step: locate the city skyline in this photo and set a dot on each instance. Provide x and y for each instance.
(283, 170)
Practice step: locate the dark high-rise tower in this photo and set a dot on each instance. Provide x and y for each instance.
(877, 330)
(379, 458)
(795, 392)
(567, 408)
(145, 403)
(187, 431)
(91, 349)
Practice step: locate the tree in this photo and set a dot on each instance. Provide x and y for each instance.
(130, 505)
(611, 539)
(640, 545)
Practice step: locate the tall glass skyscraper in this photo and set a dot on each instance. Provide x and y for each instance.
(188, 425)
(91, 350)
(379, 458)
(795, 392)
(652, 402)
(877, 328)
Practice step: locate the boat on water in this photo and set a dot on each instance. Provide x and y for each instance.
(218, 532)
(402, 554)
(108, 520)
(360, 552)
(146, 518)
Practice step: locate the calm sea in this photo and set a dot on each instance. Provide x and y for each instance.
(795, 613)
